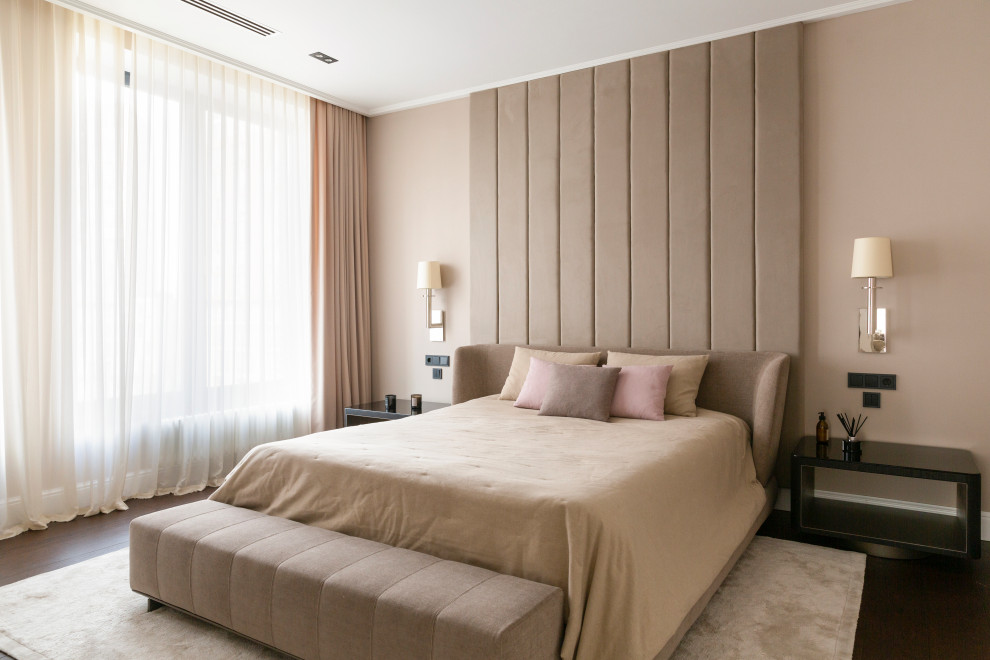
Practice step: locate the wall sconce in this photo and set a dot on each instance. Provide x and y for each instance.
(871, 259)
(428, 277)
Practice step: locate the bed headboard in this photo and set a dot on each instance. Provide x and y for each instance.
(751, 385)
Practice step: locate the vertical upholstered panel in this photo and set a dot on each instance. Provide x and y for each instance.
(778, 187)
(778, 208)
(648, 200)
(513, 212)
(652, 203)
(732, 154)
(577, 234)
(690, 267)
(612, 292)
(484, 218)
(544, 211)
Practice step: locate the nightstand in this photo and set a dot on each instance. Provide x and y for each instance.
(884, 528)
(369, 413)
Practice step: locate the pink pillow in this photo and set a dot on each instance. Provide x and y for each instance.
(640, 391)
(535, 386)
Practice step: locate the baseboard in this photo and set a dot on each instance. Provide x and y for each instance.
(784, 504)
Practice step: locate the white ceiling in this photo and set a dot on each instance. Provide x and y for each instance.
(397, 54)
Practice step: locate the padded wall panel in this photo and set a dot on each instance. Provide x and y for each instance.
(690, 222)
(778, 210)
(778, 188)
(648, 201)
(612, 292)
(577, 233)
(732, 154)
(513, 215)
(484, 216)
(652, 203)
(544, 211)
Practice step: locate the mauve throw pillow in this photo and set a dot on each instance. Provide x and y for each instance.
(535, 387)
(685, 379)
(576, 391)
(639, 392)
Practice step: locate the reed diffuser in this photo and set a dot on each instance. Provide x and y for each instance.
(852, 425)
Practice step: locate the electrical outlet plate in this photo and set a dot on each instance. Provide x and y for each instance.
(872, 381)
(871, 399)
(437, 373)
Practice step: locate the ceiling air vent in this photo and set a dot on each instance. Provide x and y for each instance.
(231, 17)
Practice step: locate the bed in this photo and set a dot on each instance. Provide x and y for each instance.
(637, 521)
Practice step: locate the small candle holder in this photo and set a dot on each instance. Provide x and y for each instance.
(390, 403)
(416, 403)
(851, 449)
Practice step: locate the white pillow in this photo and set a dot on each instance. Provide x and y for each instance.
(520, 366)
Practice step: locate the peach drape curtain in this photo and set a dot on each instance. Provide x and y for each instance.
(341, 306)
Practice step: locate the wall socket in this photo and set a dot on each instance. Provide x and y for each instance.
(872, 381)
(437, 361)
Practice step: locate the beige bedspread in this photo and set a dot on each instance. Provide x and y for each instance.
(633, 519)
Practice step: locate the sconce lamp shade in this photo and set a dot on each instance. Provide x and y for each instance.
(871, 258)
(428, 275)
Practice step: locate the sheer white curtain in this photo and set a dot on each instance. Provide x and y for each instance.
(154, 266)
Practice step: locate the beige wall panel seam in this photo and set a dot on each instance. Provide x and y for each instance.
(667, 182)
(733, 304)
(544, 227)
(612, 224)
(649, 306)
(513, 215)
(484, 222)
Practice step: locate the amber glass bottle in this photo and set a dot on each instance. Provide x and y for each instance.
(821, 432)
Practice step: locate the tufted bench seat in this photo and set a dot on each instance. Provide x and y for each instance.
(314, 593)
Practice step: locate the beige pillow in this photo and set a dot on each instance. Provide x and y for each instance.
(685, 378)
(520, 366)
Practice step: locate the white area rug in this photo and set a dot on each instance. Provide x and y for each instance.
(782, 600)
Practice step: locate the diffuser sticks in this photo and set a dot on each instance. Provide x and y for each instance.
(852, 425)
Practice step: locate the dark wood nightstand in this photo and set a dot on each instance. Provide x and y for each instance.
(368, 413)
(919, 531)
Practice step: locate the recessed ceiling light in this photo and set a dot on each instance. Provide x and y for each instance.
(323, 57)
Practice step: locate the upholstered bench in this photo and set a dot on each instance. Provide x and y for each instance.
(313, 593)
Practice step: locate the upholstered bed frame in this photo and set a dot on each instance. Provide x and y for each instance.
(751, 385)
(748, 384)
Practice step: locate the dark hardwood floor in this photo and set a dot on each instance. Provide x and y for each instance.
(64, 544)
(936, 608)
(932, 609)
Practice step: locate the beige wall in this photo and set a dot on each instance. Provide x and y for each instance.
(897, 143)
(417, 210)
